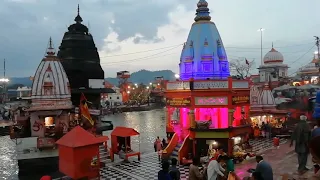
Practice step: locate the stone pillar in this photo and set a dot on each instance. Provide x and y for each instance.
(230, 117)
(230, 146)
(192, 118)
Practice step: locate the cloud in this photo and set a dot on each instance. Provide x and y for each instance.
(28, 24)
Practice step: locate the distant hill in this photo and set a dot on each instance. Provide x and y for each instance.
(19, 80)
(145, 76)
(142, 76)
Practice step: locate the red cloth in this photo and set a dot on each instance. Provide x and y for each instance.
(46, 178)
(84, 110)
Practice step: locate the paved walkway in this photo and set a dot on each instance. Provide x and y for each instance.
(149, 166)
(283, 161)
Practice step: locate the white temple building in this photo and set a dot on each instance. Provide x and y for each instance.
(50, 88)
(273, 69)
(263, 105)
(310, 73)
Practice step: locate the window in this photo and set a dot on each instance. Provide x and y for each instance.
(283, 74)
(110, 97)
(117, 97)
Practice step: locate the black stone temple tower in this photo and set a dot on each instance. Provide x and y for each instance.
(80, 59)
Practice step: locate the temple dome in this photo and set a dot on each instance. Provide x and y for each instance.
(273, 57)
(50, 87)
(203, 55)
(266, 98)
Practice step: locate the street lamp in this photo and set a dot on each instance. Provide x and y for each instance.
(177, 76)
(147, 87)
(150, 83)
(136, 85)
(261, 30)
(4, 80)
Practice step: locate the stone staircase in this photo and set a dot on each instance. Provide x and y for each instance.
(104, 155)
(175, 151)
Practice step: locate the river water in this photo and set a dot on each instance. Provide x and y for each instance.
(149, 123)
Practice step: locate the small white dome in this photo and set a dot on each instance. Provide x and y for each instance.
(273, 57)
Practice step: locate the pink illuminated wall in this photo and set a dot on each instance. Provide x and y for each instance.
(218, 116)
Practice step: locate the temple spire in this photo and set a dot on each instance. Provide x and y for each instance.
(202, 11)
(78, 18)
(272, 44)
(50, 50)
(78, 10)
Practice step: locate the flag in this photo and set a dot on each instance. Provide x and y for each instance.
(84, 110)
(247, 62)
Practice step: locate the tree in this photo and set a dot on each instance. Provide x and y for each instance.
(241, 68)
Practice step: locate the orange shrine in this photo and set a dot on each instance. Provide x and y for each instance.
(79, 154)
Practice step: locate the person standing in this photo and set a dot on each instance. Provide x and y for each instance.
(264, 168)
(163, 174)
(215, 169)
(263, 129)
(268, 130)
(315, 133)
(194, 172)
(158, 146)
(174, 171)
(301, 136)
(315, 152)
(229, 166)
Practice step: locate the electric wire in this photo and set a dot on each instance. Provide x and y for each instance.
(155, 57)
(226, 47)
(142, 58)
(303, 55)
(139, 52)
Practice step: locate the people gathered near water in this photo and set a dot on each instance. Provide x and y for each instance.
(301, 136)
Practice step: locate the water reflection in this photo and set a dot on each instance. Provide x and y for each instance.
(150, 124)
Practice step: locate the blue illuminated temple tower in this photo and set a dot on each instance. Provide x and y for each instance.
(203, 55)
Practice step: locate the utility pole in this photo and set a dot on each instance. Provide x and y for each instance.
(4, 87)
(4, 68)
(318, 53)
(261, 30)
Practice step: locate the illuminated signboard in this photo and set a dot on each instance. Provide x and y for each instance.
(211, 101)
(178, 102)
(240, 100)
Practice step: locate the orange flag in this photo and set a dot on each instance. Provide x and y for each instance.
(84, 110)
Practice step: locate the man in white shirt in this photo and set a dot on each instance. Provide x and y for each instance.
(215, 169)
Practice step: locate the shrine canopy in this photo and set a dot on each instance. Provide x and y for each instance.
(124, 132)
(78, 137)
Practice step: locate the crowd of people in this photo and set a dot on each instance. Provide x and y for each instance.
(264, 130)
(220, 167)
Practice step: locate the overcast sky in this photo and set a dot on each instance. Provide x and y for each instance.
(121, 28)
